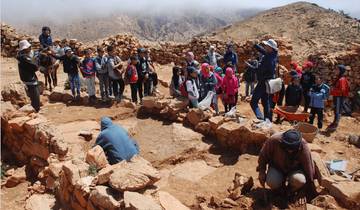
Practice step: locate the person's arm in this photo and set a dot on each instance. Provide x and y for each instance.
(261, 49)
(263, 161)
(190, 88)
(307, 163)
(100, 141)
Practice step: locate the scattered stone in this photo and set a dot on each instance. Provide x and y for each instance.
(40, 201)
(241, 185)
(320, 167)
(149, 102)
(15, 93)
(137, 201)
(325, 202)
(133, 175)
(104, 197)
(203, 127)
(355, 140)
(104, 174)
(169, 202)
(195, 116)
(229, 201)
(86, 134)
(96, 156)
(18, 176)
(71, 172)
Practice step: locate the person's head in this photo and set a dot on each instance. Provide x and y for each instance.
(229, 72)
(106, 122)
(176, 71)
(100, 52)
(270, 45)
(87, 53)
(68, 51)
(192, 72)
(46, 30)
(318, 79)
(147, 53)
(230, 47)
(218, 70)
(205, 70)
(340, 70)
(189, 56)
(133, 60)
(291, 141)
(141, 52)
(57, 42)
(212, 49)
(307, 66)
(296, 80)
(110, 50)
(293, 65)
(229, 64)
(63, 43)
(25, 46)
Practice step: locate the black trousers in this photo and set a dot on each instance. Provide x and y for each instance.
(140, 87)
(320, 113)
(134, 87)
(33, 92)
(306, 100)
(118, 86)
(154, 78)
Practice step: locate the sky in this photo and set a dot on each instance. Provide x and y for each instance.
(66, 10)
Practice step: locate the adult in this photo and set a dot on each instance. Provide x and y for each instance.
(340, 90)
(212, 56)
(230, 57)
(27, 69)
(249, 76)
(153, 77)
(142, 68)
(264, 72)
(115, 141)
(115, 69)
(286, 157)
(190, 61)
(45, 37)
(307, 81)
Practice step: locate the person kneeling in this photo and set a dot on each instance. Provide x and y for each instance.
(115, 142)
(289, 161)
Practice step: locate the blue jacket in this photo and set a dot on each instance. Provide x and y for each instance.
(317, 96)
(45, 41)
(267, 65)
(115, 142)
(231, 57)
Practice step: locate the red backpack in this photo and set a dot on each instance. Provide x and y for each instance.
(183, 89)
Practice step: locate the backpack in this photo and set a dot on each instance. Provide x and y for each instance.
(183, 89)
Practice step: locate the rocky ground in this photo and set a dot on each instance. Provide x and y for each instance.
(188, 161)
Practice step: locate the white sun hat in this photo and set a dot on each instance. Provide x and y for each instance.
(271, 43)
(24, 44)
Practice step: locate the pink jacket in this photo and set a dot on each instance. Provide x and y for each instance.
(230, 83)
(219, 80)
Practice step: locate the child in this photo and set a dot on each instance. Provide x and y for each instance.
(307, 81)
(230, 86)
(114, 67)
(250, 76)
(102, 74)
(88, 70)
(176, 80)
(218, 90)
(71, 67)
(294, 92)
(207, 81)
(192, 87)
(45, 38)
(132, 77)
(339, 91)
(317, 96)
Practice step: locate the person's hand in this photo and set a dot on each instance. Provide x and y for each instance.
(262, 179)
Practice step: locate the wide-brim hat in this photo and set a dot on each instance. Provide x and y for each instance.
(271, 43)
(24, 44)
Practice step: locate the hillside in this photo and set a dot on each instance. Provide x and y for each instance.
(146, 26)
(312, 29)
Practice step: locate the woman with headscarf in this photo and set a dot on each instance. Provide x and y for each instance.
(229, 87)
(176, 80)
(219, 78)
(207, 81)
(339, 91)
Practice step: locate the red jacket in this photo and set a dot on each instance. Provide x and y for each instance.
(341, 88)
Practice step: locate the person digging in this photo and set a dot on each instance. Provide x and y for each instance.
(286, 166)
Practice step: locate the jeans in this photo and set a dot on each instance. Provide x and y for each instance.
(74, 81)
(194, 103)
(33, 92)
(133, 87)
(320, 113)
(249, 86)
(306, 100)
(118, 87)
(338, 106)
(260, 93)
(140, 87)
(90, 84)
(104, 84)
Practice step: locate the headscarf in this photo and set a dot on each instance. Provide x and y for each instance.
(342, 69)
(175, 76)
(204, 70)
(229, 72)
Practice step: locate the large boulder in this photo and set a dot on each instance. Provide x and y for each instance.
(96, 156)
(203, 127)
(133, 175)
(17, 177)
(7, 110)
(149, 102)
(137, 201)
(40, 201)
(15, 93)
(195, 116)
(104, 197)
(169, 202)
(227, 131)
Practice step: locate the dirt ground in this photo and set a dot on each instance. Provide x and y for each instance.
(191, 165)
